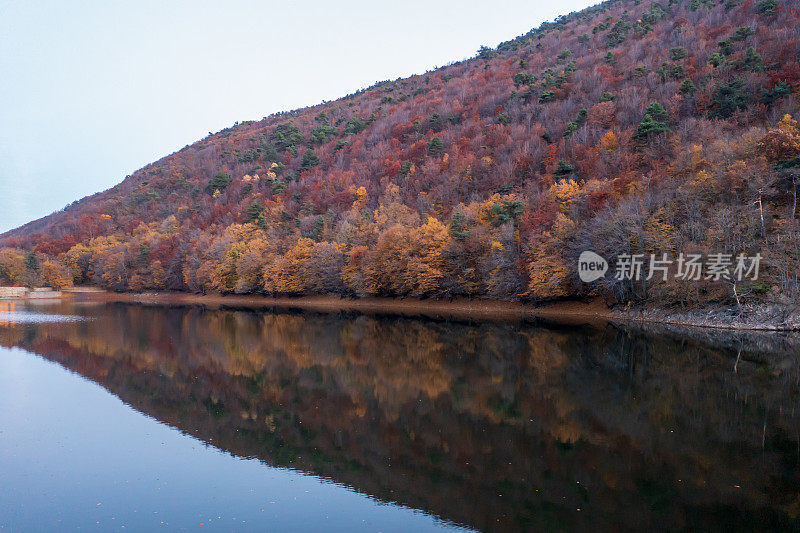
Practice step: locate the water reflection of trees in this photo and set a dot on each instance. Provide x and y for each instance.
(500, 427)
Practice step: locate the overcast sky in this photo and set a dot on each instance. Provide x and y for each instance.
(92, 91)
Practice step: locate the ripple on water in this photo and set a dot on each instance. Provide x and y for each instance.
(27, 317)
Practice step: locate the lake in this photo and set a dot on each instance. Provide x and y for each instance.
(130, 417)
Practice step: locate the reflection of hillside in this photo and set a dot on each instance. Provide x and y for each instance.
(492, 426)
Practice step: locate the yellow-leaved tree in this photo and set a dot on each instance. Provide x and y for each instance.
(425, 266)
(409, 260)
(548, 271)
(12, 266)
(783, 141)
(285, 274)
(55, 274)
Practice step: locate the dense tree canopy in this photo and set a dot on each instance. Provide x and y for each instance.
(631, 127)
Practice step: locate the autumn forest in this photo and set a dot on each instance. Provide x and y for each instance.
(631, 127)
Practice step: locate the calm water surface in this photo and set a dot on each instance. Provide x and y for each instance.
(125, 417)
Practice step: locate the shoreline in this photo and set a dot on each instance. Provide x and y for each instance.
(755, 318)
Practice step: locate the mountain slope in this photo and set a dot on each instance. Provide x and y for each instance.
(629, 127)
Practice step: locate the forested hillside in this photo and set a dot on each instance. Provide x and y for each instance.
(630, 127)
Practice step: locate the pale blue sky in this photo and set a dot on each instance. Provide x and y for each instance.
(92, 91)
